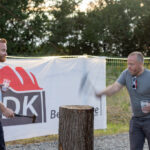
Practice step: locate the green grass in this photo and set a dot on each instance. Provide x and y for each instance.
(118, 108)
(33, 140)
(118, 105)
(112, 129)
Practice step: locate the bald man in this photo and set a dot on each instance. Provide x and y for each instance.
(137, 81)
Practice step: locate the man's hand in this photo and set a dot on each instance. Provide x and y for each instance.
(98, 95)
(8, 113)
(110, 90)
(3, 88)
(146, 109)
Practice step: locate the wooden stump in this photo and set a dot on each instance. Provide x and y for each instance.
(76, 127)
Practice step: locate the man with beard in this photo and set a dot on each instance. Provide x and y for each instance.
(5, 111)
(137, 81)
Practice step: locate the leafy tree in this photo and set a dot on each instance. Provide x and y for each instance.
(21, 25)
(142, 30)
(108, 29)
(111, 29)
(61, 26)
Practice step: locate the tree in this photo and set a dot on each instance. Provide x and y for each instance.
(61, 26)
(142, 31)
(107, 29)
(22, 25)
(111, 29)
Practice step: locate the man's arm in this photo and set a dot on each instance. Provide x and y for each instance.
(6, 111)
(110, 90)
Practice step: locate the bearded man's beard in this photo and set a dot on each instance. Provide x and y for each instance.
(2, 58)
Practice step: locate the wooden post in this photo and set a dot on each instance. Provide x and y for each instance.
(76, 127)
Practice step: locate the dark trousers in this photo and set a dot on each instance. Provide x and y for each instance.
(2, 142)
(139, 131)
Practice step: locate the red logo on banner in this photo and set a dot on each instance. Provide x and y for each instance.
(27, 82)
(26, 98)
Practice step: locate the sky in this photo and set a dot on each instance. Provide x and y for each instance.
(84, 4)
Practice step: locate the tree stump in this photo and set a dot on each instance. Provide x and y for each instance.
(76, 127)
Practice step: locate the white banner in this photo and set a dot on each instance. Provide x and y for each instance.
(40, 85)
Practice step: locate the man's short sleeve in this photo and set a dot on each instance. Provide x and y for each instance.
(122, 78)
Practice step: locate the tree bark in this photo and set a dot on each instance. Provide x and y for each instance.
(76, 127)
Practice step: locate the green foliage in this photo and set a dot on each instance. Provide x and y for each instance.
(21, 26)
(118, 106)
(62, 26)
(112, 129)
(112, 28)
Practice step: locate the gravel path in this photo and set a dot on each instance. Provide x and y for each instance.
(113, 142)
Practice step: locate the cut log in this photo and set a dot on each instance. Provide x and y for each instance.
(76, 127)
